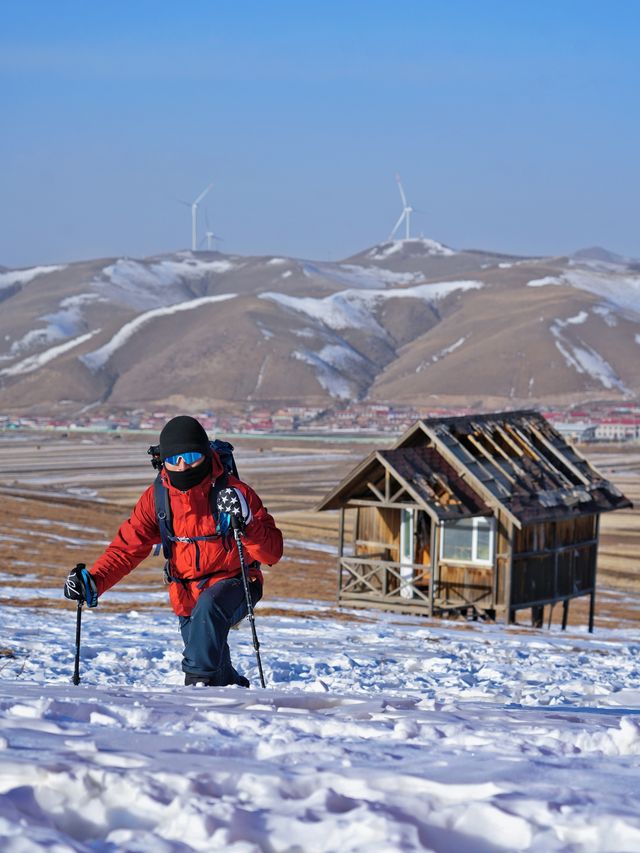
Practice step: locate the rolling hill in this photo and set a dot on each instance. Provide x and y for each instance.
(410, 321)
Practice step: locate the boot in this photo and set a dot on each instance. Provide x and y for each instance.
(238, 679)
(191, 679)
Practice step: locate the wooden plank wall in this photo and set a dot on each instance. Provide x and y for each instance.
(378, 531)
(554, 560)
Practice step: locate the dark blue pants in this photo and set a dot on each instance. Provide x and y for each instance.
(206, 651)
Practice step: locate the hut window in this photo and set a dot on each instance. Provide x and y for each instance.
(469, 540)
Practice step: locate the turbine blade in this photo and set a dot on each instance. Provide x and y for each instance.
(402, 195)
(203, 194)
(398, 224)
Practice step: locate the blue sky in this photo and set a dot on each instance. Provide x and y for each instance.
(514, 125)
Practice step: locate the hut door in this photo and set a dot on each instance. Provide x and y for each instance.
(406, 550)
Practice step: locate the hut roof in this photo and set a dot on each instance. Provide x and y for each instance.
(428, 479)
(466, 466)
(519, 462)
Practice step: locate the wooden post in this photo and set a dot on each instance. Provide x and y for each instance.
(508, 615)
(435, 544)
(592, 602)
(565, 613)
(537, 616)
(340, 550)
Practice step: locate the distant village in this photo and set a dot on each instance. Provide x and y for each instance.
(597, 423)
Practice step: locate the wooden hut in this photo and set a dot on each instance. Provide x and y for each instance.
(483, 514)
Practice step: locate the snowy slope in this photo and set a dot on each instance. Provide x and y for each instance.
(382, 733)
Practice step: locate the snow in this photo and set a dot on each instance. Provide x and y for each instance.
(393, 247)
(353, 308)
(342, 310)
(336, 363)
(381, 733)
(68, 319)
(312, 546)
(583, 358)
(275, 262)
(329, 377)
(152, 285)
(441, 354)
(359, 276)
(267, 334)
(7, 279)
(34, 362)
(619, 291)
(66, 322)
(607, 315)
(342, 356)
(98, 358)
(546, 281)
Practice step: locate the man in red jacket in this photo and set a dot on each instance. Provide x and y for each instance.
(206, 589)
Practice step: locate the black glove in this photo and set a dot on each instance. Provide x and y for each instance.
(234, 503)
(80, 586)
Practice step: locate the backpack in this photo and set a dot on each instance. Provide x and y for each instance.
(163, 507)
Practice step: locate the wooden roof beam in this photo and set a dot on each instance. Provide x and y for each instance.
(376, 492)
(516, 470)
(454, 459)
(554, 473)
(563, 460)
(473, 440)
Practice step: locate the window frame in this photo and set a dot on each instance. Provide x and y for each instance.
(475, 560)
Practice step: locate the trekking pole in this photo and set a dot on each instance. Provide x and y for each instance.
(76, 669)
(243, 568)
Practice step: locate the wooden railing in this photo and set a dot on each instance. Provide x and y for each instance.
(374, 577)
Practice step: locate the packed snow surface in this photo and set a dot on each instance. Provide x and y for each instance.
(382, 733)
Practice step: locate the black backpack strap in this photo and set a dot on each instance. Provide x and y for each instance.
(163, 515)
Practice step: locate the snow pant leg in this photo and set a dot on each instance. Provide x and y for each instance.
(205, 632)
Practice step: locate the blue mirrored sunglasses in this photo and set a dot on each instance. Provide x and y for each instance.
(189, 458)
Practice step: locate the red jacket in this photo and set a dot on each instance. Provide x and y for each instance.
(191, 516)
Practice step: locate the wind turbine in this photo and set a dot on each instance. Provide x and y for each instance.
(210, 235)
(407, 210)
(194, 216)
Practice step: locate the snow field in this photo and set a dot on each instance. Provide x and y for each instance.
(380, 733)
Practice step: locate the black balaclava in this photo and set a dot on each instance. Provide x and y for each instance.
(181, 435)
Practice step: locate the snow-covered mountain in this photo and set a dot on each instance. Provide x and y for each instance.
(409, 321)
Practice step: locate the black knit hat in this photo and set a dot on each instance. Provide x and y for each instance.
(182, 434)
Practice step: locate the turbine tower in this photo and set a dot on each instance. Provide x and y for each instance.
(405, 216)
(194, 217)
(210, 235)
